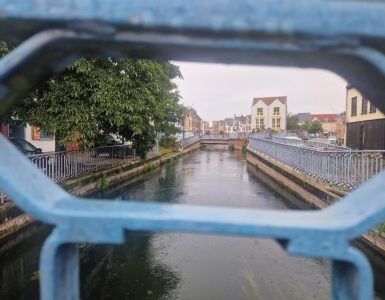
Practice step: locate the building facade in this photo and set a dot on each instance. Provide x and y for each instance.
(328, 122)
(341, 129)
(192, 123)
(205, 127)
(219, 127)
(365, 124)
(38, 138)
(236, 124)
(269, 113)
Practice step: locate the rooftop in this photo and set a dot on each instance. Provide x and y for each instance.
(270, 100)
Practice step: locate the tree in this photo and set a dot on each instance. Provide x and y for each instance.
(4, 48)
(132, 98)
(292, 122)
(315, 127)
(306, 126)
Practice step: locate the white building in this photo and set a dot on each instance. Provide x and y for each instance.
(269, 113)
(34, 135)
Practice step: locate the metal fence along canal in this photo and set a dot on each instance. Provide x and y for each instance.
(67, 164)
(345, 168)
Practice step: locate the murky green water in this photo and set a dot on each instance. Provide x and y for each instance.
(183, 266)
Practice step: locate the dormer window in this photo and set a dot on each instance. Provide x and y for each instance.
(259, 111)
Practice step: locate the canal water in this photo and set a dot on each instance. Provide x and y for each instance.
(183, 266)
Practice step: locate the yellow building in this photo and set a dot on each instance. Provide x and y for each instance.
(192, 122)
(365, 124)
(328, 122)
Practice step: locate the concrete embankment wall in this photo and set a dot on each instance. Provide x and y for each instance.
(236, 144)
(12, 229)
(314, 194)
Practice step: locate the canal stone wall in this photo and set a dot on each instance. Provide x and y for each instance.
(190, 148)
(237, 144)
(314, 194)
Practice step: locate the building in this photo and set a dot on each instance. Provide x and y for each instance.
(303, 117)
(192, 123)
(205, 127)
(365, 124)
(241, 124)
(218, 127)
(341, 129)
(38, 138)
(232, 125)
(328, 122)
(269, 113)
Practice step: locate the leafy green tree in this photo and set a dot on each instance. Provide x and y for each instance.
(132, 98)
(306, 126)
(292, 122)
(4, 48)
(315, 127)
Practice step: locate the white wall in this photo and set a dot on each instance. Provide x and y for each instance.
(259, 104)
(268, 114)
(45, 145)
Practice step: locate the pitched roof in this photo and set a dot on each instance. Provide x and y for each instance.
(302, 117)
(269, 100)
(322, 117)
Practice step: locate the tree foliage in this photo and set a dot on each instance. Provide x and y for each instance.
(315, 127)
(306, 125)
(292, 122)
(131, 98)
(4, 48)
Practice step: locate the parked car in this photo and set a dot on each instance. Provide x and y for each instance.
(108, 140)
(26, 147)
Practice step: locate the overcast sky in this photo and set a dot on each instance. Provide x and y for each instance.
(217, 91)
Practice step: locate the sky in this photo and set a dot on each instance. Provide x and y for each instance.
(218, 91)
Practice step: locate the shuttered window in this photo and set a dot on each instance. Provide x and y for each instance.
(35, 133)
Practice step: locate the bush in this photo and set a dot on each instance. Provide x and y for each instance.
(168, 142)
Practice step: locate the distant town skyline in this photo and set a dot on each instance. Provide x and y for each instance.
(219, 91)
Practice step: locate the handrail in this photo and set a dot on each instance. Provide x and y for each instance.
(340, 167)
(309, 143)
(68, 164)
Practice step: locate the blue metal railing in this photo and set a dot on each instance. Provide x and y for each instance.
(346, 37)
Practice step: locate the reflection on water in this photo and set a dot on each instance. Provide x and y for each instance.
(183, 266)
(130, 271)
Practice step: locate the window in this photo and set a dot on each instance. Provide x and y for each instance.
(372, 108)
(326, 120)
(364, 108)
(354, 107)
(278, 123)
(261, 123)
(45, 135)
(273, 123)
(40, 134)
(276, 111)
(260, 111)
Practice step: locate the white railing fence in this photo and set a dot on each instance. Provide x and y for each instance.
(343, 168)
(185, 142)
(308, 143)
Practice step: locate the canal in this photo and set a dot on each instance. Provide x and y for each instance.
(183, 266)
